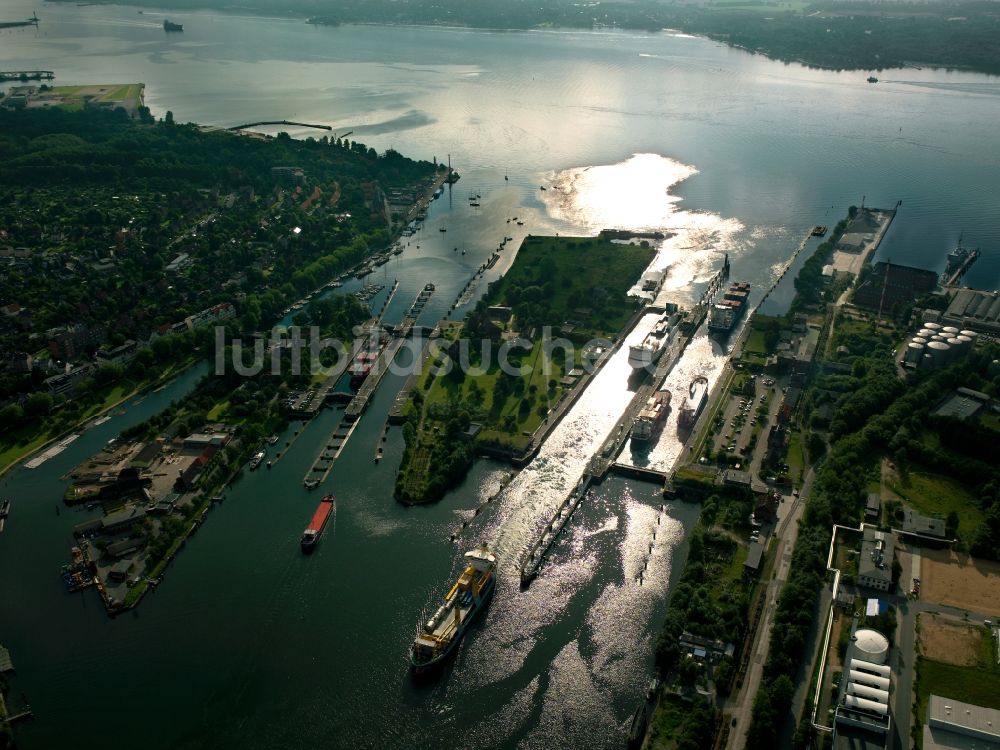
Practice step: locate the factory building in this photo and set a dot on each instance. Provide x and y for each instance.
(862, 716)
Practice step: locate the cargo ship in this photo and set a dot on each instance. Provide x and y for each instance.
(644, 354)
(467, 598)
(365, 359)
(652, 417)
(690, 410)
(171, 26)
(310, 537)
(727, 311)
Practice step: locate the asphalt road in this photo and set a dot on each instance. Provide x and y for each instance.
(785, 535)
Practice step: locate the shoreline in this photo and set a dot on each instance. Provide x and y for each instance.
(665, 26)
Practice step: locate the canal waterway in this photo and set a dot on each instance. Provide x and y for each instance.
(249, 644)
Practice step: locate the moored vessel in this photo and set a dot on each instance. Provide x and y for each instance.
(466, 599)
(645, 354)
(257, 458)
(727, 311)
(694, 402)
(651, 418)
(365, 360)
(321, 516)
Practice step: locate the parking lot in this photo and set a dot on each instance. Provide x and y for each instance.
(743, 417)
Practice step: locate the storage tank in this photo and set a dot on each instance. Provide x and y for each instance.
(879, 669)
(961, 344)
(950, 330)
(925, 333)
(935, 337)
(866, 691)
(914, 352)
(871, 646)
(933, 326)
(971, 334)
(919, 340)
(940, 353)
(864, 678)
(854, 701)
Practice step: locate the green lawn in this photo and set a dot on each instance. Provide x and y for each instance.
(755, 343)
(216, 412)
(937, 495)
(796, 457)
(582, 280)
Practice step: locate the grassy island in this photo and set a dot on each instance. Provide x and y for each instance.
(568, 288)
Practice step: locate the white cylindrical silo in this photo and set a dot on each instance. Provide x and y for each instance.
(950, 330)
(940, 353)
(864, 678)
(866, 691)
(919, 340)
(914, 352)
(871, 646)
(854, 701)
(866, 666)
(933, 326)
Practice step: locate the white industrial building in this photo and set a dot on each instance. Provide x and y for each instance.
(863, 708)
(954, 725)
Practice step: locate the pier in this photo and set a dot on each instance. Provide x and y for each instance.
(966, 264)
(280, 122)
(360, 401)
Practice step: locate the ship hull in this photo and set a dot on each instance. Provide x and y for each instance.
(432, 665)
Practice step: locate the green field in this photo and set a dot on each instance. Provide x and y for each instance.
(576, 281)
(937, 495)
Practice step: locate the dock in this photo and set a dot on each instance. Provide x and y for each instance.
(360, 401)
(405, 328)
(966, 264)
(332, 449)
(603, 462)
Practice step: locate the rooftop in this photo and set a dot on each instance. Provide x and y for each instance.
(877, 549)
(915, 523)
(962, 726)
(964, 403)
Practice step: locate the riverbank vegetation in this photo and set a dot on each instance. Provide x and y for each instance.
(573, 288)
(712, 600)
(864, 35)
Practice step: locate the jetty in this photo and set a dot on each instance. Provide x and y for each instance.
(280, 122)
(33, 21)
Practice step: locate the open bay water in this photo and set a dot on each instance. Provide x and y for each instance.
(249, 644)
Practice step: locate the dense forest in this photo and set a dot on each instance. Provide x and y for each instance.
(828, 34)
(115, 230)
(96, 209)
